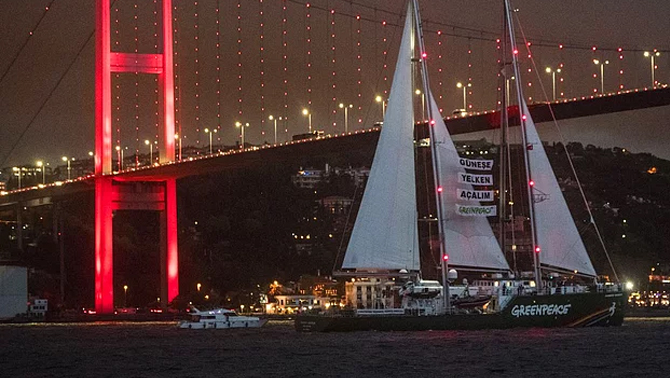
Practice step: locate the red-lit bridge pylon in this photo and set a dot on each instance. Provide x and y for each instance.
(113, 194)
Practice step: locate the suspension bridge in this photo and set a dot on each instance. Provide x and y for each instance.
(174, 80)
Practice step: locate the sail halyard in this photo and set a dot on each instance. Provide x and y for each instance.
(523, 115)
(556, 241)
(385, 234)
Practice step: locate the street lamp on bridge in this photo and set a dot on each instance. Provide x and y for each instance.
(423, 103)
(69, 168)
(652, 55)
(380, 100)
(553, 73)
(42, 168)
(178, 139)
(119, 157)
(210, 132)
(273, 118)
(125, 295)
(309, 116)
(602, 73)
(460, 85)
(346, 115)
(151, 151)
(242, 126)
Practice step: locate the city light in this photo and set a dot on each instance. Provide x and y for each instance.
(307, 113)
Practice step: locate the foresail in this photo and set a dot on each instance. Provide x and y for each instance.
(560, 244)
(469, 239)
(385, 235)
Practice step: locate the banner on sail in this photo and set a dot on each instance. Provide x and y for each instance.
(475, 195)
(476, 211)
(476, 164)
(468, 178)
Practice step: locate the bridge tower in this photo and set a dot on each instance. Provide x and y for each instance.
(116, 194)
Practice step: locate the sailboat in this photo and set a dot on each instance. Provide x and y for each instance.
(385, 289)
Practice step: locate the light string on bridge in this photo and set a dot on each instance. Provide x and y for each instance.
(529, 83)
(499, 74)
(559, 71)
(196, 25)
(155, 140)
(117, 89)
(468, 88)
(440, 69)
(284, 42)
(359, 72)
(333, 66)
(261, 58)
(308, 44)
(137, 87)
(218, 71)
(177, 86)
(239, 58)
(385, 78)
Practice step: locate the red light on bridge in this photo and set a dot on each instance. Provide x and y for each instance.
(531, 183)
(439, 189)
(445, 257)
(537, 249)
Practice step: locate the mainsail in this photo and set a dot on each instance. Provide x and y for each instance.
(560, 244)
(385, 235)
(469, 240)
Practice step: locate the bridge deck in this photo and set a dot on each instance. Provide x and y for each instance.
(356, 141)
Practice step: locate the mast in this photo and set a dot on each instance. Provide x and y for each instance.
(436, 163)
(524, 137)
(504, 123)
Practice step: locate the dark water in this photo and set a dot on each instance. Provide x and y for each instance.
(641, 347)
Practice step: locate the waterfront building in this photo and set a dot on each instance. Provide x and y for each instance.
(371, 293)
(13, 290)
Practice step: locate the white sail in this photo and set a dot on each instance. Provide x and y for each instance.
(469, 239)
(560, 244)
(385, 235)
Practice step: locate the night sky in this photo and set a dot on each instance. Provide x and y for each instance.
(50, 62)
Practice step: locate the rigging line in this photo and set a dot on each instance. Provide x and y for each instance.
(572, 167)
(337, 262)
(25, 43)
(48, 97)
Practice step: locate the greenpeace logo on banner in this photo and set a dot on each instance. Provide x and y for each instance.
(467, 178)
(478, 165)
(540, 310)
(476, 211)
(475, 195)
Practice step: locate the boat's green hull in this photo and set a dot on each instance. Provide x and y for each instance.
(572, 310)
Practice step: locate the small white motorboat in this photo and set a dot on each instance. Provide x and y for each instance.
(220, 318)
